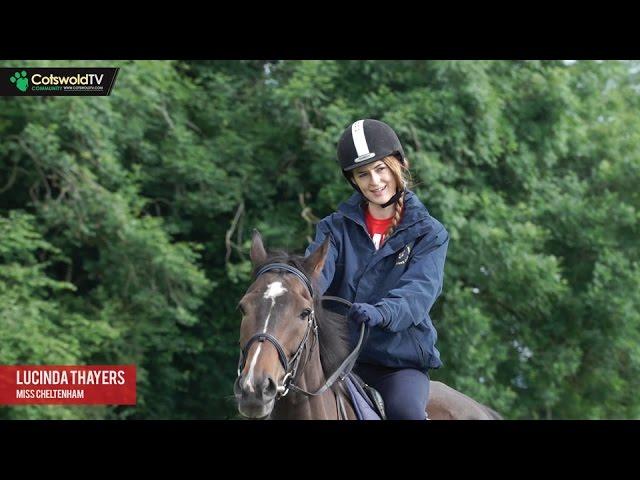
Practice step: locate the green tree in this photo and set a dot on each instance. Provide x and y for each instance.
(126, 220)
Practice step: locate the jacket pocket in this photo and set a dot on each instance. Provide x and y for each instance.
(413, 333)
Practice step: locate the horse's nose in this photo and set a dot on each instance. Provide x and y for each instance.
(261, 388)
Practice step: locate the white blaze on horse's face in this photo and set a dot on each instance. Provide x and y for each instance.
(273, 291)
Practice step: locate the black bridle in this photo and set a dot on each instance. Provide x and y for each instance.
(291, 366)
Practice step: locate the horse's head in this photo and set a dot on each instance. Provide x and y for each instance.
(277, 321)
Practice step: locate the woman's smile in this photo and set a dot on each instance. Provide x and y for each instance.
(379, 192)
(376, 182)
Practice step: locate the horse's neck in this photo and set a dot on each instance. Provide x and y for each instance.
(297, 406)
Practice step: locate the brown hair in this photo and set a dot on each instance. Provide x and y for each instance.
(400, 171)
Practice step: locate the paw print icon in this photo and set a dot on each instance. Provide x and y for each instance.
(20, 80)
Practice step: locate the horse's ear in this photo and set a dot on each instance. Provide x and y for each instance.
(258, 254)
(314, 262)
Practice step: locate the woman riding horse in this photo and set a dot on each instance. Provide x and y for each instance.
(295, 354)
(387, 255)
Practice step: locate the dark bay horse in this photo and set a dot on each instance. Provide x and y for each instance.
(293, 351)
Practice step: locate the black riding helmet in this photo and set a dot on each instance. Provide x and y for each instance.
(366, 141)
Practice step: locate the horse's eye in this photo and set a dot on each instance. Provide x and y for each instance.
(242, 310)
(305, 313)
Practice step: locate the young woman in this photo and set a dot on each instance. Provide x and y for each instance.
(387, 256)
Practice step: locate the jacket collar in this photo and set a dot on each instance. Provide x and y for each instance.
(414, 210)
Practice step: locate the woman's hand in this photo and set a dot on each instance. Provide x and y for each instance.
(365, 313)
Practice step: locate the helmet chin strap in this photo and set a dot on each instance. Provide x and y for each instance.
(393, 199)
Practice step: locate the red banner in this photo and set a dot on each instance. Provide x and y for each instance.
(68, 385)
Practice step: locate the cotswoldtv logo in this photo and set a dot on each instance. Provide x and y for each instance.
(31, 82)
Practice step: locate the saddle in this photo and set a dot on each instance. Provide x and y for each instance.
(367, 401)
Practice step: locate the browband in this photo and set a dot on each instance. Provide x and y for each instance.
(290, 269)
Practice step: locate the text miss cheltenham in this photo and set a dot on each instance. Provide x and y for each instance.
(73, 377)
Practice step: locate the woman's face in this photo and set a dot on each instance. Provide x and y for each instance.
(376, 181)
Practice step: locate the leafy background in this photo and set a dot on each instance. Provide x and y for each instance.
(125, 220)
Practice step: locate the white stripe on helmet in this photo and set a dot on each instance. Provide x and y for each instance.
(360, 142)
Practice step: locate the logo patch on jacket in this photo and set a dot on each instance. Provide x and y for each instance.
(403, 256)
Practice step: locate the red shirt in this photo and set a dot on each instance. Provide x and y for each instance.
(377, 227)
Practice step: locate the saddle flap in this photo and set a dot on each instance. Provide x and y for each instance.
(367, 401)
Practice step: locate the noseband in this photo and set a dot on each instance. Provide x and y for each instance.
(291, 367)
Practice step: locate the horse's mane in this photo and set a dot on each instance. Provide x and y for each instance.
(332, 328)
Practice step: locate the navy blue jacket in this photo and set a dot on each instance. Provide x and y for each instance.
(402, 284)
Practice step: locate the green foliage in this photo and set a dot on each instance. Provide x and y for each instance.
(125, 221)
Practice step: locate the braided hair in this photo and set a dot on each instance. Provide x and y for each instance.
(402, 176)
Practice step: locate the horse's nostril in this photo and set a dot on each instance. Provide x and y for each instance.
(269, 388)
(237, 389)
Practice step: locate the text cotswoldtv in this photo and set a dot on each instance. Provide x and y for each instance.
(87, 79)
